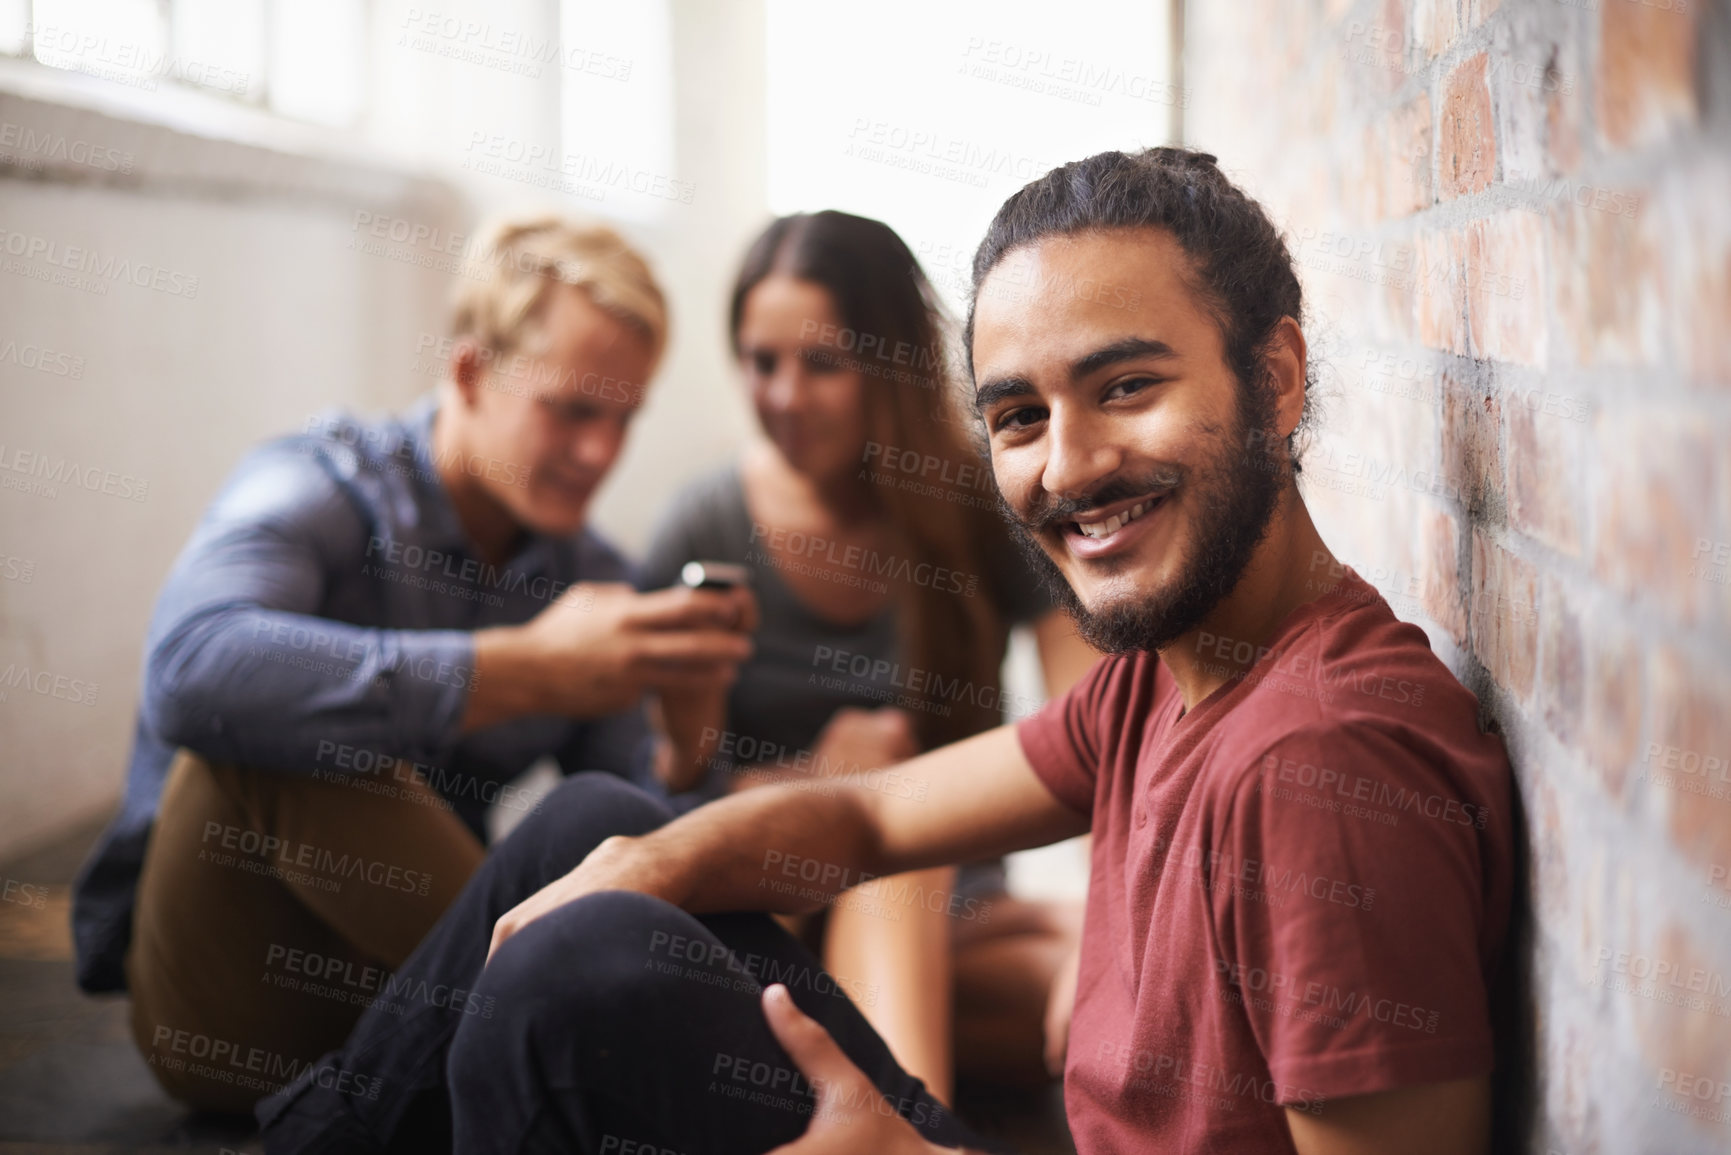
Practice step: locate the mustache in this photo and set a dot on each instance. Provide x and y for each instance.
(1050, 510)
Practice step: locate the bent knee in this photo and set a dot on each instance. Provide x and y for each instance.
(591, 948)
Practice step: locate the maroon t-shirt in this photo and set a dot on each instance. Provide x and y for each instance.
(1299, 889)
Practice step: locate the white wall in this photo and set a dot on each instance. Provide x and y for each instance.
(288, 317)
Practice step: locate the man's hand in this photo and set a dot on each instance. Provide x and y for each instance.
(616, 864)
(852, 1116)
(600, 646)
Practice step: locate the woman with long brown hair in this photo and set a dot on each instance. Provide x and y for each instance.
(887, 586)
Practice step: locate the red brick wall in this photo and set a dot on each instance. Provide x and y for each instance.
(1514, 222)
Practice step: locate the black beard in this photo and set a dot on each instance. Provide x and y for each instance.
(1234, 494)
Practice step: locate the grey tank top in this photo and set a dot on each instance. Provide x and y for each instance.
(805, 667)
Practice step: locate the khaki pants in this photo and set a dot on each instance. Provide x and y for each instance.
(269, 912)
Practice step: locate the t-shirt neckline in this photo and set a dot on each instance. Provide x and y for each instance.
(1302, 617)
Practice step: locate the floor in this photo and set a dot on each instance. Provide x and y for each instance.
(71, 1081)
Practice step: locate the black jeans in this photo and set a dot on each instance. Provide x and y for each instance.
(616, 1023)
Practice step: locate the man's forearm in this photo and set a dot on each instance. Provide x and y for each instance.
(279, 689)
(510, 682)
(787, 849)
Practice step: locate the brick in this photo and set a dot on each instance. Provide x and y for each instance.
(1444, 599)
(1466, 140)
(1562, 677)
(1556, 888)
(1701, 241)
(1478, 11)
(1471, 449)
(1503, 617)
(1434, 26)
(1566, 110)
(1646, 77)
(1439, 291)
(1373, 51)
(1525, 80)
(1505, 277)
(1652, 503)
(1689, 1038)
(1607, 284)
(1615, 693)
(1545, 450)
(1405, 160)
(1691, 727)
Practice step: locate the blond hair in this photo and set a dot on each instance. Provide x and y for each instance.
(518, 262)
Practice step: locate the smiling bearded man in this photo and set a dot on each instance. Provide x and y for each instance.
(1301, 870)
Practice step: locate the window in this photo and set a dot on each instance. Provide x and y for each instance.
(302, 59)
(928, 115)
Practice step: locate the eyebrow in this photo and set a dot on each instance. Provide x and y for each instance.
(998, 389)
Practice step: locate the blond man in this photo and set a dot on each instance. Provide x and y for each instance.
(376, 626)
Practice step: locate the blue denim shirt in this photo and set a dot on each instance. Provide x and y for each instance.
(320, 617)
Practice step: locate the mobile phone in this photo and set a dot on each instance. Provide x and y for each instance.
(714, 575)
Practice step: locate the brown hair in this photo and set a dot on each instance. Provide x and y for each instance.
(894, 333)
